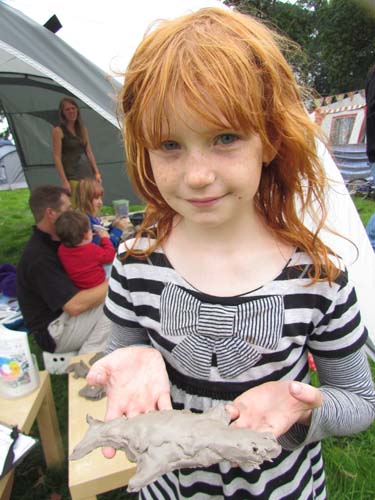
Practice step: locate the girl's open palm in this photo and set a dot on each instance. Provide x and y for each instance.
(136, 381)
(275, 406)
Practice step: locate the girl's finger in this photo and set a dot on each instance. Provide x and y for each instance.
(233, 411)
(114, 409)
(306, 394)
(164, 402)
(108, 452)
(97, 375)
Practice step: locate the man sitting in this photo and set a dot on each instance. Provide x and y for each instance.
(61, 317)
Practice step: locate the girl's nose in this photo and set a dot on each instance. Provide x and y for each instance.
(199, 171)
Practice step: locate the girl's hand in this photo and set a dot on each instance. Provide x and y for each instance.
(136, 381)
(275, 406)
(103, 233)
(121, 223)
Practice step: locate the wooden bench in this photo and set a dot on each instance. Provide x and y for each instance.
(92, 474)
(22, 412)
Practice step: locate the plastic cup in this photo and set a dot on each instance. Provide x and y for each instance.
(121, 208)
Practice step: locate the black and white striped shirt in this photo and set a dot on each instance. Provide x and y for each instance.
(216, 348)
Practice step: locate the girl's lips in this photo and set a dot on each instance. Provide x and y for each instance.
(204, 202)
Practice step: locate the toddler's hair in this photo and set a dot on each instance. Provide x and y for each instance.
(87, 190)
(227, 70)
(71, 227)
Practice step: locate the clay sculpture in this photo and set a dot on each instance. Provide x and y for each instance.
(162, 441)
(80, 370)
(92, 392)
(96, 357)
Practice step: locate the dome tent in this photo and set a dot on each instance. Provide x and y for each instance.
(11, 172)
(37, 69)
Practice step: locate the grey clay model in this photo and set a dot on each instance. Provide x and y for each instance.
(162, 441)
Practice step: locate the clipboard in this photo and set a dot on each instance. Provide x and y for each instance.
(14, 446)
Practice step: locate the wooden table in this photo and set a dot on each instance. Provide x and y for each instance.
(22, 412)
(92, 474)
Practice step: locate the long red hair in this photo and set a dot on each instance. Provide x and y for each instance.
(217, 59)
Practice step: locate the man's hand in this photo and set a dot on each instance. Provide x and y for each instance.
(275, 406)
(136, 381)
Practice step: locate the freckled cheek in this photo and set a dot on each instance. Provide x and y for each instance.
(164, 177)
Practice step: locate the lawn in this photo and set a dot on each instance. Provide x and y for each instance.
(350, 462)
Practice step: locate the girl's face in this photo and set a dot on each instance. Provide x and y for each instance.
(206, 175)
(97, 204)
(69, 111)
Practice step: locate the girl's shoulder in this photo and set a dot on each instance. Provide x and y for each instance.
(300, 259)
(94, 220)
(85, 133)
(58, 131)
(144, 243)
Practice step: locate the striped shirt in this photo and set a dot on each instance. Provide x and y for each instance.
(216, 348)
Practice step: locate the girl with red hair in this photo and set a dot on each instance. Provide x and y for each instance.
(224, 291)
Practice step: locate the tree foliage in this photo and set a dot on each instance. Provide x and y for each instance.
(345, 44)
(337, 38)
(4, 127)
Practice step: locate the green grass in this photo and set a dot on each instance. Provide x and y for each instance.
(349, 461)
(15, 224)
(365, 209)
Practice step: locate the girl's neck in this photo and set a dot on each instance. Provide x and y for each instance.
(248, 228)
(226, 261)
(84, 242)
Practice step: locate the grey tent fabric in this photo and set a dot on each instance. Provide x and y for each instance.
(36, 70)
(11, 172)
(352, 161)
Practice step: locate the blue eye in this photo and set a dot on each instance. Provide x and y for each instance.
(226, 138)
(169, 145)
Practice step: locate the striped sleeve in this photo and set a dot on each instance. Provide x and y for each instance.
(121, 336)
(348, 401)
(119, 306)
(346, 382)
(340, 330)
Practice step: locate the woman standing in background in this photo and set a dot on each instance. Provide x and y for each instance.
(72, 152)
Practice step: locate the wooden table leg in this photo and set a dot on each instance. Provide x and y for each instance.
(49, 430)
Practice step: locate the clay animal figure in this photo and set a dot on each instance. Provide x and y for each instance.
(79, 370)
(162, 441)
(92, 392)
(95, 358)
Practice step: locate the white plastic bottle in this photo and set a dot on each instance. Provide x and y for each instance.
(18, 374)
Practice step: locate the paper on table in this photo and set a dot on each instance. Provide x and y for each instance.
(13, 447)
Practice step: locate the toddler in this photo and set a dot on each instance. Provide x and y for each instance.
(82, 260)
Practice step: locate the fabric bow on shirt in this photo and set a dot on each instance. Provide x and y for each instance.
(233, 332)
